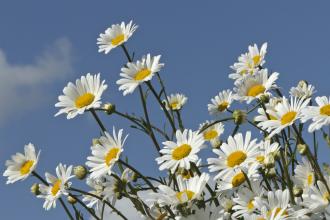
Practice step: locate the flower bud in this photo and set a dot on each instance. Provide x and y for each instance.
(119, 195)
(302, 83)
(96, 141)
(264, 98)
(302, 148)
(271, 173)
(109, 108)
(216, 144)
(71, 200)
(297, 191)
(239, 117)
(269, 161)
(80, 172)
(35, 189)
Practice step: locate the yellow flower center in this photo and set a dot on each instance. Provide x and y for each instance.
(118, 39)
(288, 117)
(250, 205)
(260, 158)
(223, 106)
(238, 179)
(142, 74)
(256, 60)
(174, 105)
(84, 100)
(310, 179)
(256, 90)
(326, 196)
(181, 151)
(185, 194)
(277, 210)
(56, 187)
(236, 158)
(112, 154)
(210, 135)
(26, 166)
(325, 110)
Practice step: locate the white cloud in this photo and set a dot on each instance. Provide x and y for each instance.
(24, 87)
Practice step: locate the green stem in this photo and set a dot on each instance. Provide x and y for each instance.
(98, 120)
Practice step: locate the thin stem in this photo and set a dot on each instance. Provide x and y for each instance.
(98, 120)
(180, 120)
(213, 123)
(85, 206)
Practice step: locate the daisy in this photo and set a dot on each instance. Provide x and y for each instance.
(175, 101)
(271, 105)
(84, 95)
(136, 73)
(21, 165)
(238, 152)
(105, 153)
(249, 63)
(181, 153)
(285, 114)
(304, 175)
(268, 152)
(320, 115)
(97, 189)
(221, 102)
(303, 90)
(115, 36)
(189, 190)
(252, 87)
(212, 133)
(56, 187)
(317, 198)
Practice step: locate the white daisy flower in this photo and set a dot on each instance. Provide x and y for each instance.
(175, 101)
(252, 87)
(21, 165)
(303, 90)
(97, 189)
(317, 198)
(249, 63)
(285, 114)
(220, 102)
(268, 152)
(105, 154)
(210, 212)
(213, 132)
(179, 154)
(320, 115)
(271, 105)
(57, 186)
(189, 190)
(84, 95)
(156, 212)
(304, 175)
(115, 36)
(138, 72)
(238, 152)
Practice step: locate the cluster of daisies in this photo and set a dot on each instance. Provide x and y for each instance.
(270, 174)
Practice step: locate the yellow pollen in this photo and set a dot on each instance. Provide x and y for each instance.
(288, 117)
(174, 105)
(256, 90)
(310, 178)
(250, 205)
(142, 74)
(223, 106)
(118, 39)
(236, 158)
(325, 110)
(256, 60)
(84, 100)
(238, 179)
(56, 187)
(187, 193)
(112, 154)
(181, 151)
(260, 158)
(26, 166)
(210, 135)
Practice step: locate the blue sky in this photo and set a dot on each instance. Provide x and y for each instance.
(44, 44)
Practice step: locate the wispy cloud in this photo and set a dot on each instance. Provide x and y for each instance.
(24, 87)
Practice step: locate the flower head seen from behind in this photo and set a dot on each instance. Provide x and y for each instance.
(221, 102)
(212, 133)
(175, 101)
(105, 153)
(57, 186)
(179, 154)
(135, 73)
(21, 165)
(302, 90)
(115, 36)
(82, 96)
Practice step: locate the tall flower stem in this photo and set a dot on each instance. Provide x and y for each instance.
(98, 120)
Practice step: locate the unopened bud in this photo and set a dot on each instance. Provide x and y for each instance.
(216, 144)
(302, 148)
(80, 172)
(109, 108)
(297, 191)
(35, 189)
(71, 200)
(271, 173)
(302, 83)
(264, 98)
(239, 117)
(269, 161)
(96, 141)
